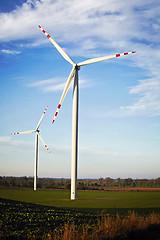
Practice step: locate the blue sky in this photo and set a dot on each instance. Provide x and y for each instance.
(119, 104)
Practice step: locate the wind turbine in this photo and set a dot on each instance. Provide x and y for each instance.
(36, 146)
(74, 75)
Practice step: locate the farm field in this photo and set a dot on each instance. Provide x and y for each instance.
(86, 199)
(29, 214)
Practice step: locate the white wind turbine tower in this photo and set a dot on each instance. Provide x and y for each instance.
(36, 146)
(74, 75)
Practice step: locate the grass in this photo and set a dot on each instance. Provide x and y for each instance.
(51, 215)
(86, 199)
(20, 219)
(129, 227)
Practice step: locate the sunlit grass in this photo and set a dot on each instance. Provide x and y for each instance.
(107, 227)
(86, 199)
(52, 215)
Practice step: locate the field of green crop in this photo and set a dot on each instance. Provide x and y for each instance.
(29, 214)
(86, 199)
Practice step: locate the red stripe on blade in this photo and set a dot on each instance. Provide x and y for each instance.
(117, 55)
(59, 105)
(126, 53)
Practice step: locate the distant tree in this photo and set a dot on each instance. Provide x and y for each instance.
(81, 185)
(100, 180)
(68, 186)
(4, 182)
(118, 182)
(128, 182)
(12, 182)
(109, 181)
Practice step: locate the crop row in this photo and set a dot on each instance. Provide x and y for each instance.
(20, 220)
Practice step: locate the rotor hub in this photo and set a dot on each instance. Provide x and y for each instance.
(77, 67)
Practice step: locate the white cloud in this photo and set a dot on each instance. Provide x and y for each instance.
(7, 51)
(12, 144)
(5, 139)
(103, 20)
(21, 154)
(149, 100)
(49, 85)
(9, 143)
(96, 27)
(56, 84)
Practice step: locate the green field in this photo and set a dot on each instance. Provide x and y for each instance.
(86, 199)
(29, 214)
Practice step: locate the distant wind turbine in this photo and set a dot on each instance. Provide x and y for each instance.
(36, 146)
(74, 75)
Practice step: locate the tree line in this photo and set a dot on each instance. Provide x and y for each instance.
(84, 184)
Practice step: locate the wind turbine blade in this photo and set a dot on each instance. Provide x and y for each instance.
(61, 51)
(23, 132)
(68, 83)
(43, 142)
(94, 60)
(41, 118)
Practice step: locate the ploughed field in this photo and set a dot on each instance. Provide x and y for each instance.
(30, 214)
